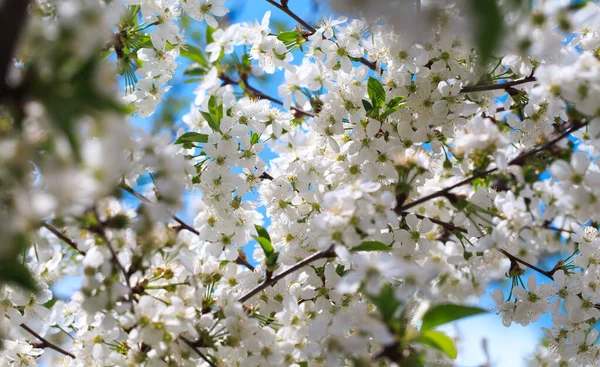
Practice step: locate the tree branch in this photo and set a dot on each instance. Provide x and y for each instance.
(520, 261)
(63, 237)
(285, 8)
(270, 282)
(242, 260)
(448, 226)
(195, 349)
(256, 93)
(45, 343)
(141, 197)
(519, 160)
(99, 229)
(496, 86)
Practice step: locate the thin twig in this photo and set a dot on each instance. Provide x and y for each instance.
(141, 197)
(63, 237)
(447, 225)
(270, 282)
(511, 257)
(496, 86)
(256, 93)
(241, 260)
(288, 11)
(521, 261)
(99, 229)
(195, 349)
(285, 8)
(516, 161)
(45, 343)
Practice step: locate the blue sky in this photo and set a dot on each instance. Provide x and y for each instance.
(507, 346)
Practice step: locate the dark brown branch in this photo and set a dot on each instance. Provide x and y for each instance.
(285, 8)
(256, 93)
(100, 231)
(447, 225)
(516, 161)
(496, 86)
(195, 349)
(243, 260)
(272, 281)
(45, 343)
(63, 237)
(13, 18)
(265, 176)
(523, 262)
(141, 197)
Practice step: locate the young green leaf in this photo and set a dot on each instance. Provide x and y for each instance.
(371, 246)
(489, 27)
(219, 113)
(440, 341)
(13, 271)
(264, 240)
(395, 101)
(447, 312)
(386, 302)
(191, 137)
(194, 54)
(391, 110)
(376, 92)
(288, 37)
(212, 106)
(262, 232)
(209, 119)
(209, 34)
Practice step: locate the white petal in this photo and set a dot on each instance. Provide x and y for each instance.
(211, 21)
(580, 162)
(219, 10)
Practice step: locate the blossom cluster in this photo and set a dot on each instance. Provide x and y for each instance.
(389, 182)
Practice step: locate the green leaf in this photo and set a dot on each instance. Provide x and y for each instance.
(371, 246)
(264, 240)
(376, 92)
(216, 111)
(254, 138)
(386, 302)
(447, 312)
(391, 110)
(195, 71)
(219, 113)
(212, 106)
(368, 106)
(13, 271)
(194, 54)
(213, 125)
(246, 60)
(209, 34)
(489, 27)
(440, 341)
(395, 101)
(262, 232)
(289, 36)
(192, 137)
